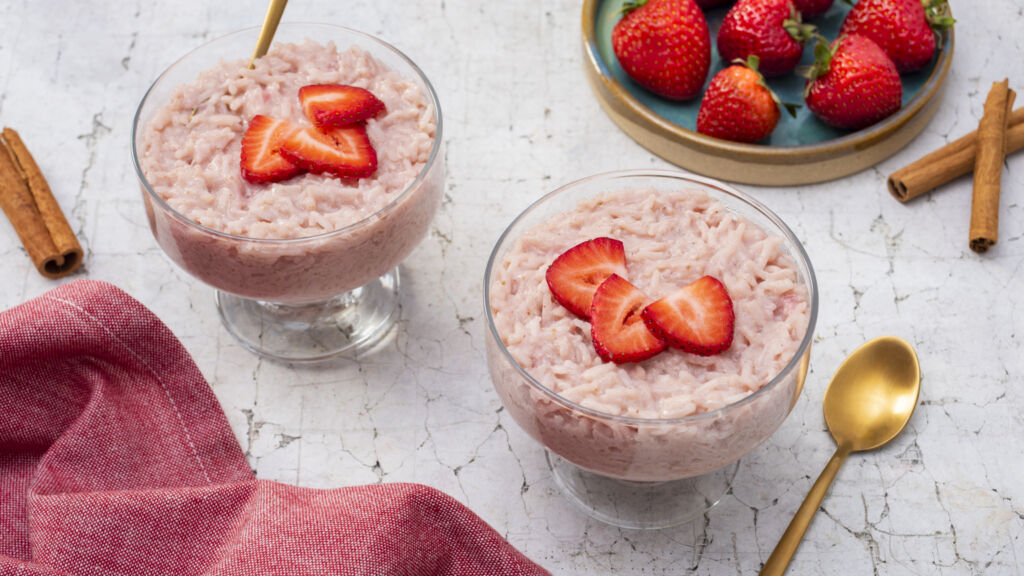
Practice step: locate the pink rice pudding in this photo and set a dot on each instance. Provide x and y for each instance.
(190, 154)
(192, 146)
(671, 239)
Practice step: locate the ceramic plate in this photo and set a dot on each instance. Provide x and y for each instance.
(801, 150)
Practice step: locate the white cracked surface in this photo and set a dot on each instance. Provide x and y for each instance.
(944, 498)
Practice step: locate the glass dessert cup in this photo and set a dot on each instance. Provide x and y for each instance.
(645, 472)
(309, 298)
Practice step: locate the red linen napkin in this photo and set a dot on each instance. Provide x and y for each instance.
(115, 458)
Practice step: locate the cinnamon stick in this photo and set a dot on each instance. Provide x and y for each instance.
(950, 162)
(988, 167)
(33, 211)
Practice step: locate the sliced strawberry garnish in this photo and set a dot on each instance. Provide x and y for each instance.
(575, 275)
(616, 326)
(343, 152)
(261, 163)
(338, 105)
(697, 318)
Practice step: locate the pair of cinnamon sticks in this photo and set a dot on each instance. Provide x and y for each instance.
(33, 211)
(1000, 132)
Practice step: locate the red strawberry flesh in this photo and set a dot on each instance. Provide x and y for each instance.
(768, 29)
(344, 152)
(338, 104)
(575, 275)
(617, 328)
(903, 29)
(812, 8)
(698, 318)
(261, 162)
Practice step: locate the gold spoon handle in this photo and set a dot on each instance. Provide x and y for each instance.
(274, 12)
(784, 550)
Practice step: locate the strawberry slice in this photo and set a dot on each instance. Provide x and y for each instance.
(698, 318)
(343, 152)
(575, 275)
(616, 325)
(338, 105)
(261, 163)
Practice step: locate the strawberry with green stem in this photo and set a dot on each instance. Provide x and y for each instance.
(908, 31)
(664, 46)
(575, 275)
(852, 84)
(739, 106)
(772, 30)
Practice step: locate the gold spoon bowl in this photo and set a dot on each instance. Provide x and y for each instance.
(867, 404)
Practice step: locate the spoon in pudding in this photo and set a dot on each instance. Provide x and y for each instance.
(868, 402)
(270, 22)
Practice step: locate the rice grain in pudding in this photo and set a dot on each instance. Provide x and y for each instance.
(671, 239)
(307, 238)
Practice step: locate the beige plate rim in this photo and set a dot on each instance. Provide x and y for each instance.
(818, 161)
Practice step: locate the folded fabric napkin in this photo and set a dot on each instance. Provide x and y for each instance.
(115, 458)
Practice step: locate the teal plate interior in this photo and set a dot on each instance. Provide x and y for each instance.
(805, 129)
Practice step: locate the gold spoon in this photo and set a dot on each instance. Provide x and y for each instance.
(868, 402)
(270, 22)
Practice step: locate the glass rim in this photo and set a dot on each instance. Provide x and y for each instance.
(800, 253)
(361, 223)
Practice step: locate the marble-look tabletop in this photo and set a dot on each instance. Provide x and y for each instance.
(946, 497)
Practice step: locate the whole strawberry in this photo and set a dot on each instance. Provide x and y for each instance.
(769, 29)
(852, 84)
(812, 8)
(738, 106)
(905, 29)
(664, 46)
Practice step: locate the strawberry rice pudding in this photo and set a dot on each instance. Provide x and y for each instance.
(191, 146)
(610, 417)
(308, 237)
